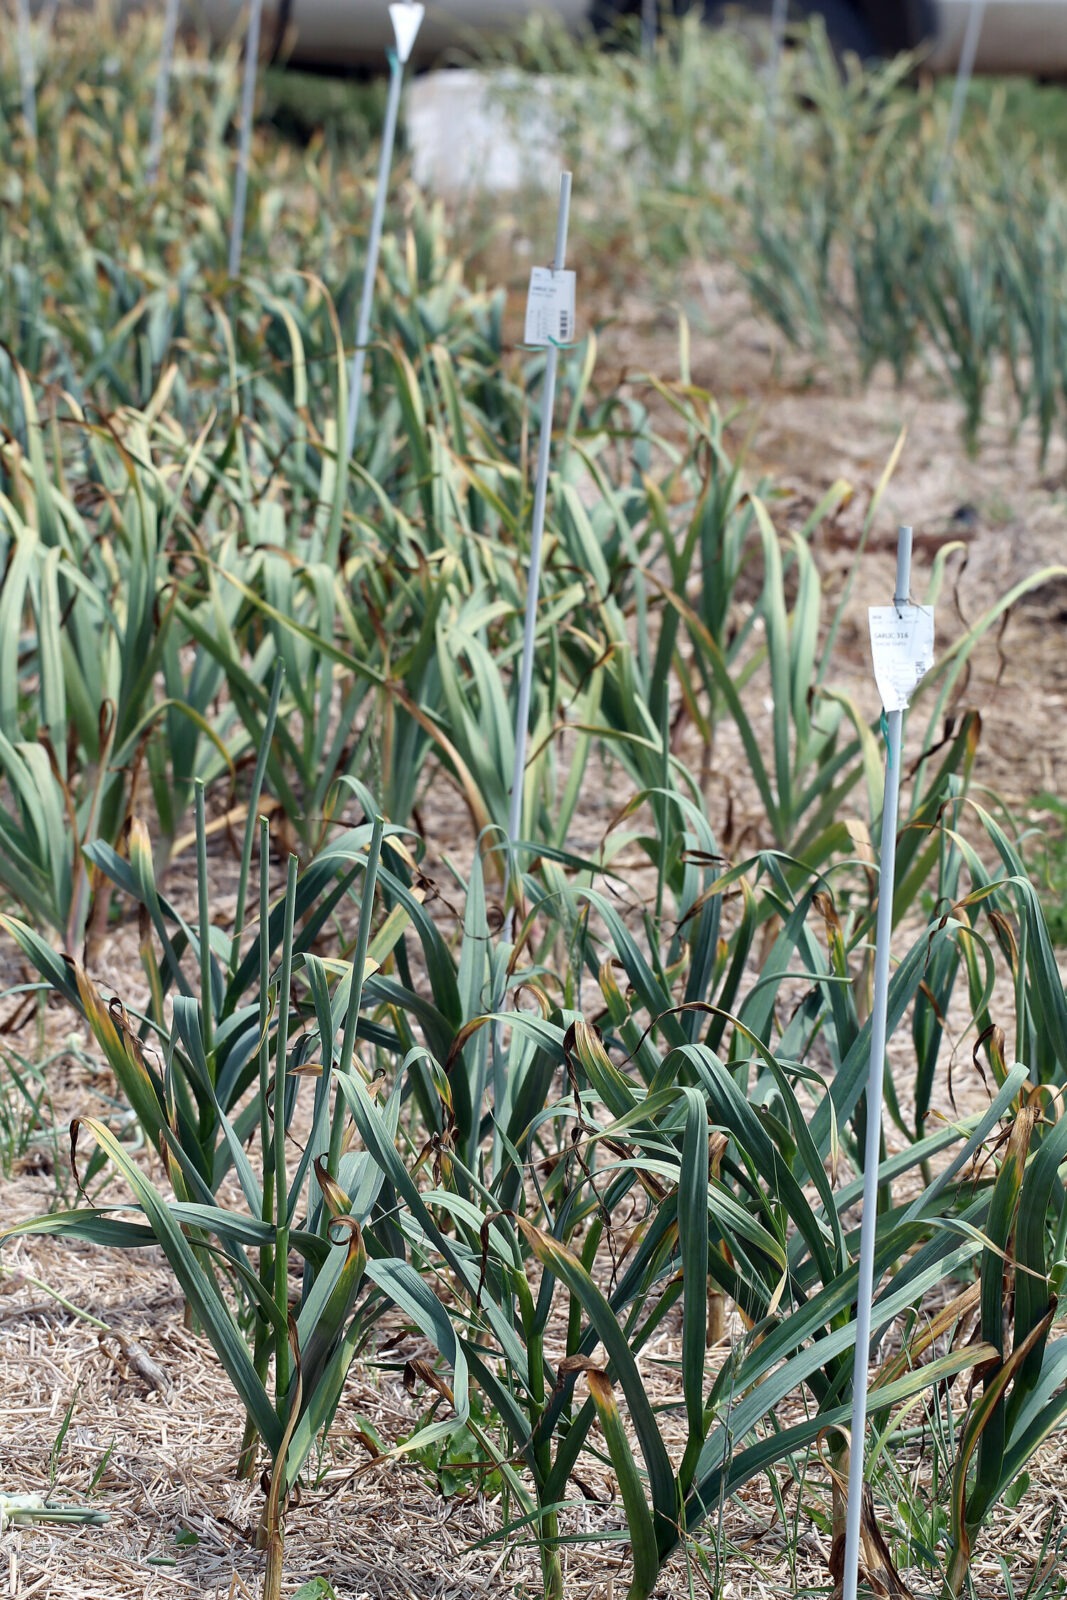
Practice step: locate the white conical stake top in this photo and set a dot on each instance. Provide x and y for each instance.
(407, 20)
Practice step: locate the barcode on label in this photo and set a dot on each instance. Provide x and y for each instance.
(902, 644)
(550, 307)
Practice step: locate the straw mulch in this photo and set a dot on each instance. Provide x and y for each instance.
(148, 1395)
(154, 1432)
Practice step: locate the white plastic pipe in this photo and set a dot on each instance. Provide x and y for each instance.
(964, 73)
(370, 270)
(533, 584)
(159, 109)
(27, 69)
(407, 19)
(779, 16)
(248, 106)
(875, 1078)
(649, 25)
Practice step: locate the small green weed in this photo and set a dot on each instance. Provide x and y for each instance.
(1048, 856)
(27, 1125)
(463, 1462)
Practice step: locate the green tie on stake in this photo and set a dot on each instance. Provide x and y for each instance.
(902, 644)
(248, 106)
(407, 18)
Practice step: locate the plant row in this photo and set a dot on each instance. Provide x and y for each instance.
(549, 1099)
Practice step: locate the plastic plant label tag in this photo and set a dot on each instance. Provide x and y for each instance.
(407, 20)
(550, 307)
(902, 644)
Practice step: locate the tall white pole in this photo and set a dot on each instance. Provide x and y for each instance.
(27, 69)
(533, 583)
(649, 25)
(875, 1078)
(964, 73)
(779, 17)
(407, 19)
(159, 109)
(533, 586)
(248, 106)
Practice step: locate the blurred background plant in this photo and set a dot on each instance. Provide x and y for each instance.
(827, 197)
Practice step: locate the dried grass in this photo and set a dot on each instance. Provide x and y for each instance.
(152, 1392)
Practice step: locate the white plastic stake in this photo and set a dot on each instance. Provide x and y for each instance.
(533, 582)
(964, 73)
(27, 70)
(649, 26)
(248, 106)
(876, 1074)
(159, 110)
(407, 19)
(779, 17)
